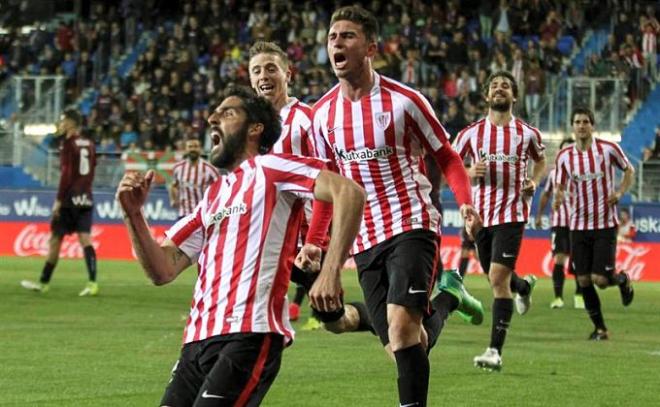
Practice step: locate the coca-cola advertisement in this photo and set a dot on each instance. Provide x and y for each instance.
(25, 222)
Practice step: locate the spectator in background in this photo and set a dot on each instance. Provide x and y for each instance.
(503, 19)
(596, 67)
(551, 27)
(534, 87)
(411, 69)
(454, 120)
(107, 146)
(653, 153)
(650, 30)
(486, 18)
(129, 137)
(627, 231)
(518, 69)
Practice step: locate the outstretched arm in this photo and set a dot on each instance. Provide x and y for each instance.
(161, 263)
(457, 178)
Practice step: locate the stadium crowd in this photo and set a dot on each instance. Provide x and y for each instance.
(445, 50)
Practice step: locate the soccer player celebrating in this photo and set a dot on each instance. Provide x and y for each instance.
(377, 131)
(73, 207)
(499, 147)
(269, 76)
(243, 236)
(586, 169)
(192, 176)
(561, 246)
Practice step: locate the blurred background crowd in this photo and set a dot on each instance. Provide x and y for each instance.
(185, 53)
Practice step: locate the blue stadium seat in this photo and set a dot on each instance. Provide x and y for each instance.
(565, 44)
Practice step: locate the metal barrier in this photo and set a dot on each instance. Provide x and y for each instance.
(38, 98)
(604, 96)
(648, 181)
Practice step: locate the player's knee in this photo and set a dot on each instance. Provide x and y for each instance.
(85, 239)
(560, 258)
(584, 281)
(600, 281)
(404, 331)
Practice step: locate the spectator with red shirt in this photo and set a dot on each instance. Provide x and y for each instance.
(627, 231)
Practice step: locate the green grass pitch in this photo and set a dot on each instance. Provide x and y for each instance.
(117, 349)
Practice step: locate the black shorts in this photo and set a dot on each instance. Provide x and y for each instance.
(78, 220)
(593, 251)
(561, 242)
(225, 370)
(466, 242)
(402, 271)
(499, 244)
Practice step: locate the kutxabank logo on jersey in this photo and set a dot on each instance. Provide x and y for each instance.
(364, 154)
(238, 209)
(589, 176)
(498, 157)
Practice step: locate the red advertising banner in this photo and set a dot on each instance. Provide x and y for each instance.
(111, 241)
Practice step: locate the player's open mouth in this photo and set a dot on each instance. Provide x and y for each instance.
(266, 88)
(340, 61)
(216, 136)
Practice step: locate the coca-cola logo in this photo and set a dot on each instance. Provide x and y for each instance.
(629, 257)
(32, 240)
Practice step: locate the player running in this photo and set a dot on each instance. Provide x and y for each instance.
(586, 169)
(499, 147)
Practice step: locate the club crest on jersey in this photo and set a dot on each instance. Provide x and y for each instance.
(383, 119)
(365, 154)
(238, 209)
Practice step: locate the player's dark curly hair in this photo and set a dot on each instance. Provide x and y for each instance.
(258, 110)
(585, 111)
(501, 74)
(73, 115)
(360, 16)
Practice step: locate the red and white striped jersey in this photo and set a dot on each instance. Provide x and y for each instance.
(506, 150)
(296, 130)
(378, 142)
(559, 217)
(296, 138)
(192, 180)
(649, 40)
(240, 237)
(589, 176)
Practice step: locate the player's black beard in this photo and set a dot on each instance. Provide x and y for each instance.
(193, 156)
(500, 107)
(232, 147)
